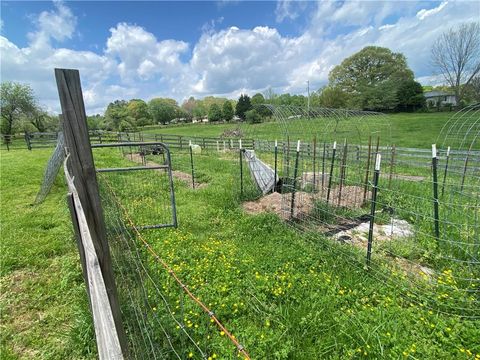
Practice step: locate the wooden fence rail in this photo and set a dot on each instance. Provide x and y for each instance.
(403, 155)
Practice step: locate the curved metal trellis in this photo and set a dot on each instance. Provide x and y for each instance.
(426, 216)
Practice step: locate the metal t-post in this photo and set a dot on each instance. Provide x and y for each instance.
(275, 168)
(295, 174)
(435, 192)
(376, 175)
(330, 177)
(191, 164)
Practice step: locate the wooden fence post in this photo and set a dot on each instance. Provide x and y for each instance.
(83, 170)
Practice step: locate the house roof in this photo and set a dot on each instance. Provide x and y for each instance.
(431, 94)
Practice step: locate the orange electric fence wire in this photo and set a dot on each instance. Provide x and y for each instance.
(172, 273)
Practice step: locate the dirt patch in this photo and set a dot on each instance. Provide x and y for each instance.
(232, 133)
(351, 197)
(347, 196)
(280, 204)
(180, 175)
(267, 203)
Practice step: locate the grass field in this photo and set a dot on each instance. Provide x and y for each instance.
(44, 311)
(406, 130)
(285, 295)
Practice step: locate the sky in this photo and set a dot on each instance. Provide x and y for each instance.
(134, 49)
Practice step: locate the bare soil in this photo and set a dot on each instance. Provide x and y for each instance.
(351, 197)
(180, 175)
(273, 203)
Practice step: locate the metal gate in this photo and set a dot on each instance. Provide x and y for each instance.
(140, 176)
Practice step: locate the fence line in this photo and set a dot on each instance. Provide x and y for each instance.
(172, 273)
(403, 155)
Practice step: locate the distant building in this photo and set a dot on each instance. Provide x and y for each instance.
(434, 97)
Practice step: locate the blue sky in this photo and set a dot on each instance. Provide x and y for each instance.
(179, 49)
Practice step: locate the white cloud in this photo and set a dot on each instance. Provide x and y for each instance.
(58, 24)
(288, 9)
(422, 14)
(141, 55)
(233, 59)
(134, 63)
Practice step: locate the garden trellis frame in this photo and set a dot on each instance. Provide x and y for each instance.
(415, 231)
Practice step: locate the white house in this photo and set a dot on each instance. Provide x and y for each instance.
(434, 97)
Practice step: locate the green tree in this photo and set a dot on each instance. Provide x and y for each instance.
(215, 113)
(138, 110)
(370, 78)
(257, 99)
(116, 114)
(258, 102)
(329, 97)
(253, 117)
(96, 122)
(243, 105)
(472, 90)
(163, 110)
(410, 96)
(227, 110)
(43, 121)
(16, 100)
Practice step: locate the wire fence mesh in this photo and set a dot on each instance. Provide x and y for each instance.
(163, 317)
(425, 222)
(52, 169)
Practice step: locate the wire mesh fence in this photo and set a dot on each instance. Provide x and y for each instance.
(163, 318)
(421, 218)
(51, 170)
(12, 142)
(142, 178)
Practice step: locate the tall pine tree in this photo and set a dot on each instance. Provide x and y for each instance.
(243, 105)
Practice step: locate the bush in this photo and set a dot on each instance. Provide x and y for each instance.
(253, 117)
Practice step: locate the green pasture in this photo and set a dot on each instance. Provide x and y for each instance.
(282, 293)
(404, 130)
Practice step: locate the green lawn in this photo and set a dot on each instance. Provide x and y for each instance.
(44, 311)
(406, 130)
(283, 294)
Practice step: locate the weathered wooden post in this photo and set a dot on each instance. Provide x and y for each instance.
(85, 180)
(27, 140)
